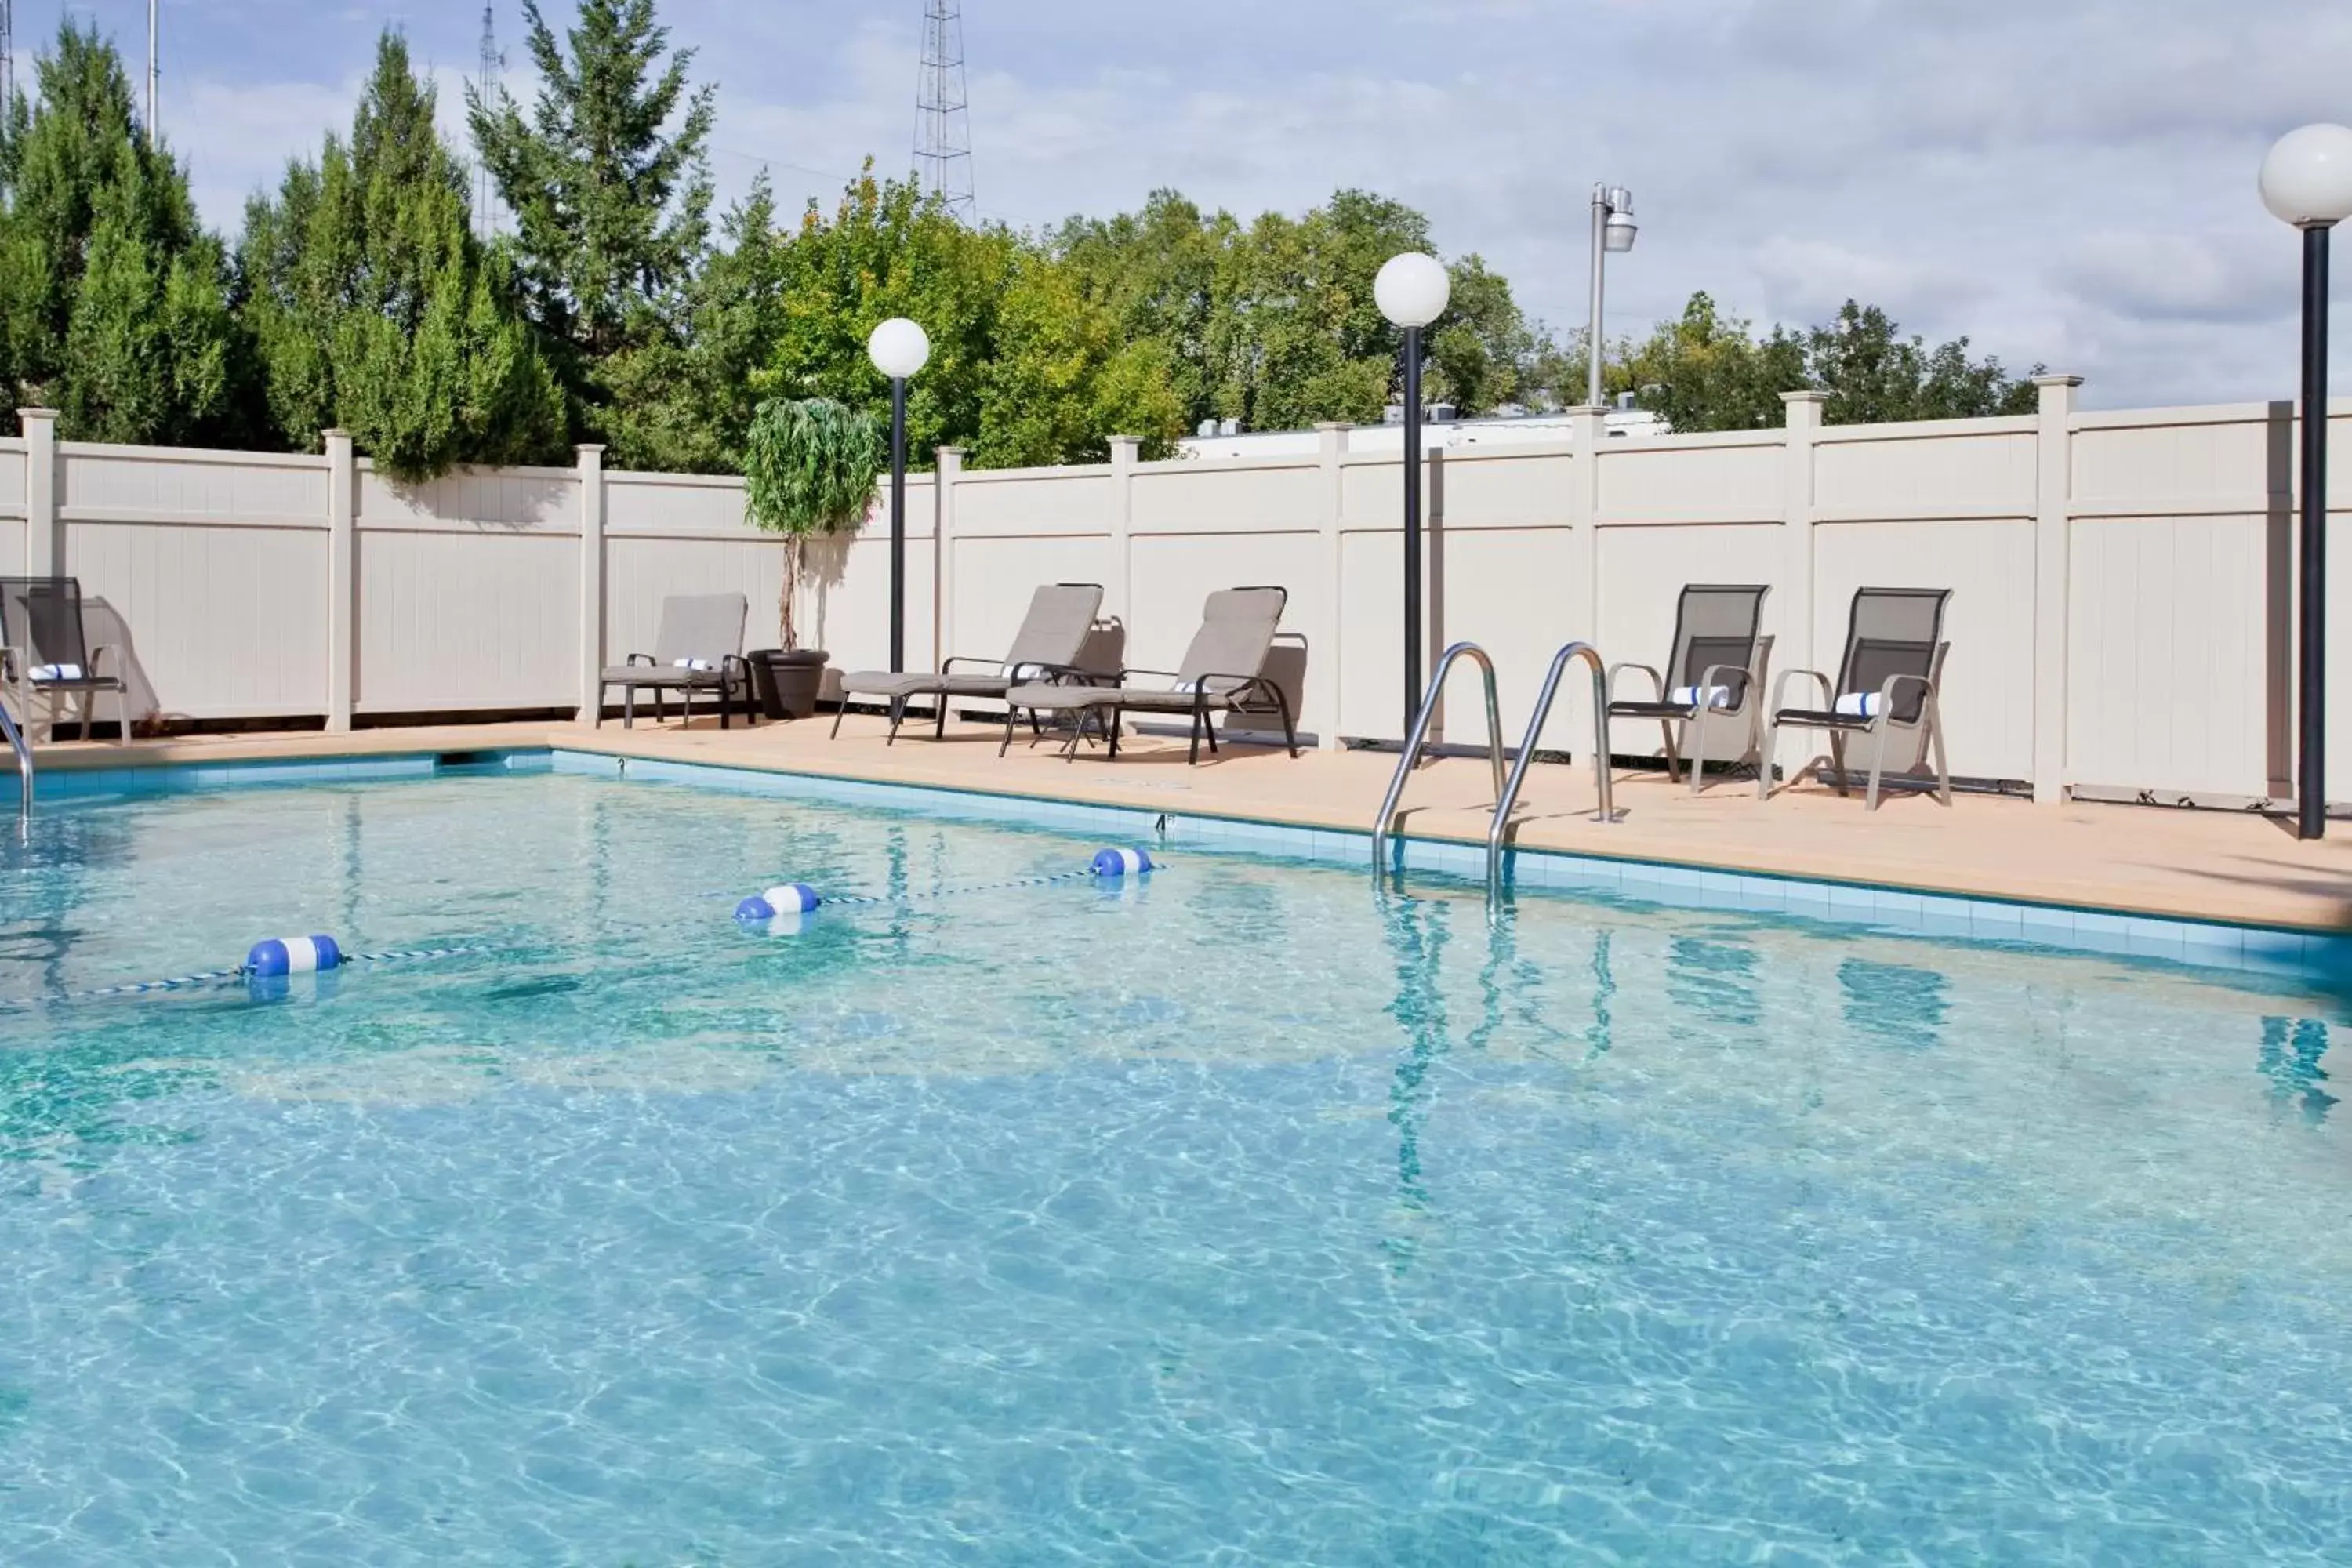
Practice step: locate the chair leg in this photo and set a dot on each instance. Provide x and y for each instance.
(726, 707)
(1673, 775)
(1943, 772)
(940, 721)
(1012, 717)
(838, 715)
(1764, 762)
(629, 708)
(1289, 731)
(1193, 756)
(1837, 760)
(1878, 769)
(1117, 723)
(898, 717)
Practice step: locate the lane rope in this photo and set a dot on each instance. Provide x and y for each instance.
(224, 976)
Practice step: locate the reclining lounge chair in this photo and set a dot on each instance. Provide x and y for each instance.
(1224, 672)
(1882, 711)
(1713, 691)
(47, 659)
(699, 646)
(1051, 636)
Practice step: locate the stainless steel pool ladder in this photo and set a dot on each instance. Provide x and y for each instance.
(1508, 796)
(1507, 789)
(1385, 824)
(23, 765)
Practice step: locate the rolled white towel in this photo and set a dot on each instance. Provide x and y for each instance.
(1021, 672)
(56, 672)
(691, 664)
(1862, 704)
(1688, 696)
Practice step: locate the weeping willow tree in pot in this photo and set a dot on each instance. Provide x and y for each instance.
(809, 467)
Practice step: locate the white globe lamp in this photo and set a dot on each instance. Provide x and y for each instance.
(1411, 290)
(899, 348)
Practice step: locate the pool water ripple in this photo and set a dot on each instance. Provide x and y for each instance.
(1248, 1216)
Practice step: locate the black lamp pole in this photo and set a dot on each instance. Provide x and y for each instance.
(2310, 785)
(898, 525)
(1413, 617)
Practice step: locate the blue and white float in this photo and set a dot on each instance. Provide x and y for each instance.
(282, 955)
(790, 899)
(1116, 863)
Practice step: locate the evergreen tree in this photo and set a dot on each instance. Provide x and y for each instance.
(374, 308)
(612, 206)
(114, 300)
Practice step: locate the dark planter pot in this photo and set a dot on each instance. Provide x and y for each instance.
(787, 683)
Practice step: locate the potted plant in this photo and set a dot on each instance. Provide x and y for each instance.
(809, 466)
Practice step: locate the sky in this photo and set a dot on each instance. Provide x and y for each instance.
(2068, 183)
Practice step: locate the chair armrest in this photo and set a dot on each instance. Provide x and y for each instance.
(1780, 688)
(1886, 697)
(1658, 682)
(1237, 684)
(947, 665)
(1072, 675)
(1714, 676)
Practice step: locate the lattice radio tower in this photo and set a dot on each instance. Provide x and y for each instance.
(942, 111)
(492, 63)
(8, 57)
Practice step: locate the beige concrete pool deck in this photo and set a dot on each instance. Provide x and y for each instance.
(2181, 864)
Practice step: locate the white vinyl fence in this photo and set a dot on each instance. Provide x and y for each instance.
(2122, 617)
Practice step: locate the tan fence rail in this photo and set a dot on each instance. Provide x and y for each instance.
(2122, 617)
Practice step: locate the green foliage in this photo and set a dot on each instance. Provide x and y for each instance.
(373, 307)
(1708, 371)
(1274, 323)
(612, 203)
(809, 467)
(114, 300)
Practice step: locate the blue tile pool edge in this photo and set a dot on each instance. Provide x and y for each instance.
(2249, 949)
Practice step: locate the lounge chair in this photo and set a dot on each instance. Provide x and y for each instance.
(1052, 637)
(1882, 710)
(46, 658)
(699, 646)
(1717, 664)
(1224, 672)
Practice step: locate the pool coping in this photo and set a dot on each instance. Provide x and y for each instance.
(2245, 947)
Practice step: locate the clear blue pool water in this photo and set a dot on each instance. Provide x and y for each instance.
(1251, 1217)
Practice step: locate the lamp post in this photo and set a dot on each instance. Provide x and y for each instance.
(898, 349)
(1411, 291)
(2306, 181)
(1612, 230)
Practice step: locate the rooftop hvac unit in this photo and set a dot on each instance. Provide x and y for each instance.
(1230, 428)
(1444, 414)
(1208, 428)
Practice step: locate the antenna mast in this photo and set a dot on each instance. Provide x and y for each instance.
(154, 75)
(8, 57)
(942, 110)
(492, 63)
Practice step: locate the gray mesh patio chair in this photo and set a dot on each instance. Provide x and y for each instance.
(1052, 637)
(699, 646)
(1224, 672)
(46, 658)
(1881, 713)
(1713, 691)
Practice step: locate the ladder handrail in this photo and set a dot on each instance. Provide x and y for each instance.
(1508, 796)
(1385, 822)
(23, 764)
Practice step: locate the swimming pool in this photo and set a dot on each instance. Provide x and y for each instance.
(1243, 1216)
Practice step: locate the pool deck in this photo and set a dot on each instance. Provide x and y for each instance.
(2180, 864)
